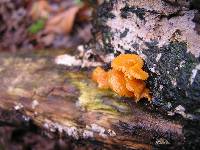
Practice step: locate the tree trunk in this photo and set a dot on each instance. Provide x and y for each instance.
(166, 33)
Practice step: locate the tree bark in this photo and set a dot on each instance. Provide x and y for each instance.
(165, 33)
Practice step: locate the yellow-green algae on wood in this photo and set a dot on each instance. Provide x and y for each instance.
(94, 99)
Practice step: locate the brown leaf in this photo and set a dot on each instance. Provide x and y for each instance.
(62, 22)
(85, 13)
(47, 40)
(40, 9)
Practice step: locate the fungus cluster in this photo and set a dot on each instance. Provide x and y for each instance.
(126, 77)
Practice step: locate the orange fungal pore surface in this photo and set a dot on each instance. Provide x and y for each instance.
(126, 77)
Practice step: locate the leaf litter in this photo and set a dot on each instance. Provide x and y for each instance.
(55, 24)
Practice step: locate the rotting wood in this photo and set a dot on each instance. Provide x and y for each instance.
(64, 99)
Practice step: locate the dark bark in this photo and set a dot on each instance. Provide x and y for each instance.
(166, 35)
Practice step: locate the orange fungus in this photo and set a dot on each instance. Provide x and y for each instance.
(131, 65)
(136, 72)
(117, 83)
(126, 77)
(135, 86)
(101, 77)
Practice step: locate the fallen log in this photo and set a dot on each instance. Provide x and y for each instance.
(65, 101)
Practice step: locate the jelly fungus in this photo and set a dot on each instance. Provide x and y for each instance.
(126, 77)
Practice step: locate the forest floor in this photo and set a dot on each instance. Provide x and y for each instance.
(44, 24)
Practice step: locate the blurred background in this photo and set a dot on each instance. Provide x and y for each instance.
(43, 24)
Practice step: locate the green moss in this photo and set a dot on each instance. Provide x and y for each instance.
(78, 2)
(36, 26)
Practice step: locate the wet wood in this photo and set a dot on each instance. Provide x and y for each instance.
(64, 99)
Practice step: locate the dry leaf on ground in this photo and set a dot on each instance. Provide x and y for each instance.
(85, 13)
(40, 9)
(62, 22)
